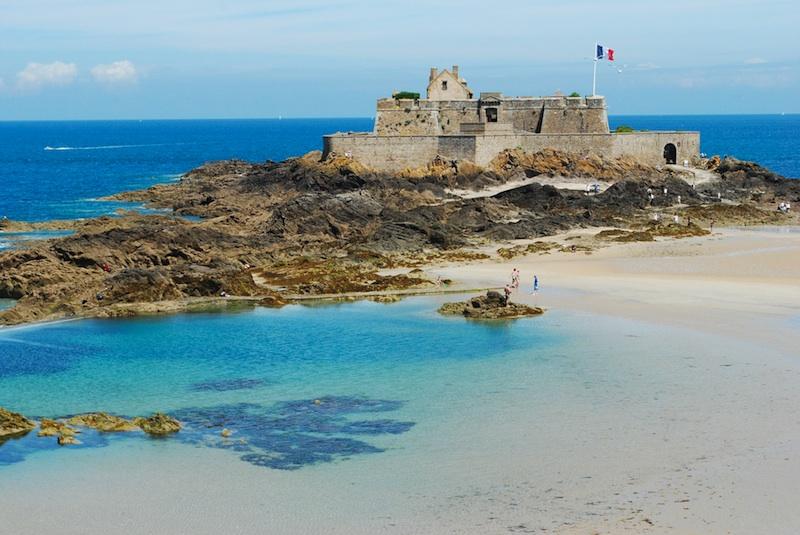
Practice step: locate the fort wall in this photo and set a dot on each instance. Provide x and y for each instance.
(394, 153)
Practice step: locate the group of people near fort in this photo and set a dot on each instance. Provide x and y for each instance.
(514, 285)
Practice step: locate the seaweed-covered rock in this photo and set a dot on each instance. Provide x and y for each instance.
(13, 423)
(491, 306)
(158, 424)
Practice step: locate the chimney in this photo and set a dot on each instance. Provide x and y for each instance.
(455, 72)
(433, 74)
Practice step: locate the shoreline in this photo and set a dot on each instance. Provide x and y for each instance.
(477, 276)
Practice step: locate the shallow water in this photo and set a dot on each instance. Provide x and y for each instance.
(300, 377)
(364, 416)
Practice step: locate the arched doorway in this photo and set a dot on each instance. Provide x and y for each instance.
(670, 153)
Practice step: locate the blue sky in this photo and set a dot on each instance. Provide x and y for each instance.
(97, 59)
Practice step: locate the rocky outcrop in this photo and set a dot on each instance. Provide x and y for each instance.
(158, 424)
(304, 226)
(652, 231)
(491, 306)
(13, 424)
(551, 163)
(65, 435)
(102, 421)
(67, 430)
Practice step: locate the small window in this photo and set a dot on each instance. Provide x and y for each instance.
(444, 85)
(491, 115)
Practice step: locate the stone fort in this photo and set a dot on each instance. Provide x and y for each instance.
(451, 123)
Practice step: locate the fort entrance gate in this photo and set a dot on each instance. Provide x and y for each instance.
(670, 153)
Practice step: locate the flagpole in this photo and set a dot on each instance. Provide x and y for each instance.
(594, 74)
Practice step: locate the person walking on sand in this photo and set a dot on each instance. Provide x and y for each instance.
(535, 284)
(515, 278)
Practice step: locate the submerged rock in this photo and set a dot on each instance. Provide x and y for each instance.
(108, 423)
(158, 424)
(490, 306)
(13, 423)
(293, 434)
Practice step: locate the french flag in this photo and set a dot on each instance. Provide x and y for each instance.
(609, 54)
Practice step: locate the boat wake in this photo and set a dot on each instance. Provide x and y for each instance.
(105, 147)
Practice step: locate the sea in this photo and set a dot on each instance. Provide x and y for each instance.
(348, 417)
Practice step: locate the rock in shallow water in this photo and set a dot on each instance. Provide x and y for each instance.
(102, 421)
(53, 428)
(491, 306)
(158, 424)
(12, 423)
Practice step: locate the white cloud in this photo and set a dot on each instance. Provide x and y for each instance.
(37, 75)
(118, 72)
(755, 61)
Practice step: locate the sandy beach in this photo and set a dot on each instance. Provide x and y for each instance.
(737, 282)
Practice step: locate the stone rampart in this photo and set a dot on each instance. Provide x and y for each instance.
(394, 153)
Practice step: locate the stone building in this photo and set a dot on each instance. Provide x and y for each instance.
(451, 123)
(447, 85)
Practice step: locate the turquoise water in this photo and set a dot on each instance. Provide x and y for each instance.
(257, 371)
